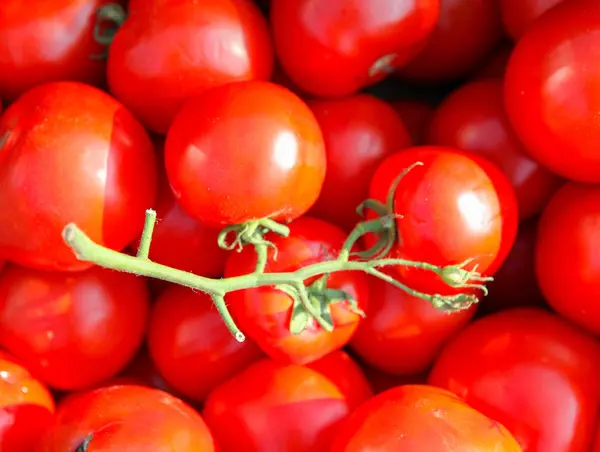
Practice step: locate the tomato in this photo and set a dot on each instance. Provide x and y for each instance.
(473, 118)
(272, 406)
(26, 406)
(191, 346)
(519, 15)
(530, 370)
(360, 131)
(382, 381)
(402, 334)
(417, 418)
(141, 371)
(264, 314)
(47, 41)
(457, 206)
(72, 330)
(566, 263)
(495, 66)
(346, 374)
(416, 115)
(170, 51)
(132, 418)
(466, 32)
(245, 151)
(71, 154)
(334, 48)
(552, 90)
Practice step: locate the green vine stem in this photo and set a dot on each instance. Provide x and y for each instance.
(109, 18)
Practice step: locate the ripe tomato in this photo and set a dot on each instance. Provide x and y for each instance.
(416, 116)
(473, 118)
(272, 406)
(126, 418)
(495, 66)
(466, 32)
(191, 346)
(47, 41)
(169, 51)
(72, 330)
(333, 48)
(71, 154)
(245, 151)
(566, 263)
(264, 314)
(519, 15)
(419, 418)
(552, 90)
(456, 206)
(359, 131)
(403, 334)
(346, 374)
(530, 370)
(26, 406)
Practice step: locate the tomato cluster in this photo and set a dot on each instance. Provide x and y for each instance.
(299, 225)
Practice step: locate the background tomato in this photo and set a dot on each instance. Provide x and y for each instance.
(72, 330)
(523, 367)
(552, 90)
(519, 15)
(192, 46)
(264, 313)
(416, 115)
(71, 154)
(418, 418)
(495, 67)
(359, 131)
(245, 151)
(275, 406)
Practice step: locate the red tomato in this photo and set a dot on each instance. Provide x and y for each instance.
(402, 334)
(530, 370)
(126, 418)
(346, 374)
(495, 67)
(72, 154)
(191, 346)
(245, 151)
(271, 406)
(264, 314)
(359, 131)
(519, 15)
(515, 282)
(72, 330)
(421, 418)
(455, 207)
(416, 116)
(552, 90)
(170, 51)
(45, 41)
(473, 118)
(466, 32)
(566, 263)
(333, 48)
(26, 406)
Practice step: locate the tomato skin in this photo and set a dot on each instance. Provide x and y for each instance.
(566, 265)
(401, 334)
(246, 132)
(416, 116)
(192, 361)
(467, 30)
(473, 118)
(552, 95)
(417, 418)
(359, 131)
(192, 46)
(519, 15)
(26, 406)
(523, 367)
(456, 206)
(264, 313)
(304, 405)
(73, 154)
(72, 330)
(331, 48)
(127, 418)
